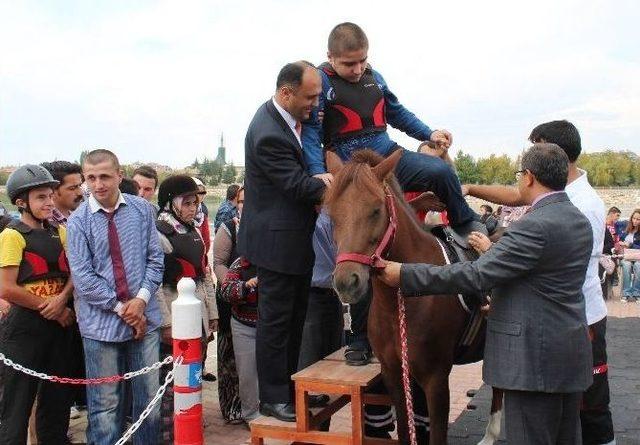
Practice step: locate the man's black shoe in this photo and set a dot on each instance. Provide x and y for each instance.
(318, 400)
(281, 411)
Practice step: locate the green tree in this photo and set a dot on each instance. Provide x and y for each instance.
(496, 170)
(229, 174)
(3, 178)
(467, 168)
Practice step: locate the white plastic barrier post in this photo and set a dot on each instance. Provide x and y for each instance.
(186, 322)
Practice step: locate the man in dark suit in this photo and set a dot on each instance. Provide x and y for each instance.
(277, 225)
(537, 346)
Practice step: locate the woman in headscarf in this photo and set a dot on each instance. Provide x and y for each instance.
(185, 256)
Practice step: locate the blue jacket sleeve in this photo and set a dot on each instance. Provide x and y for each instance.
(89, 286)
(312, 135)
(399, 117)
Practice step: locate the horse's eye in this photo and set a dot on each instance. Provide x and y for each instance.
(375, 213)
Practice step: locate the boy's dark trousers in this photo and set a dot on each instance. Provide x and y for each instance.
(42, 345)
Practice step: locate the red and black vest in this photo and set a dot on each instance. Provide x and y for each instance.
(352, 109)
(187, 258)
(43, 255)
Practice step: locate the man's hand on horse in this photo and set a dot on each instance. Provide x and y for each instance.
(442, 138)
(327, 178)
(480, 242)
(390, 275)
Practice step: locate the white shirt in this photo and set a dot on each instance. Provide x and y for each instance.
(289, 119)
(585, 198)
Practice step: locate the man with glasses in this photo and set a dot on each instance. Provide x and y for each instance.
(597, 425)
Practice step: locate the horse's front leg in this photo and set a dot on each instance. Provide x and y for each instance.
(392, 376)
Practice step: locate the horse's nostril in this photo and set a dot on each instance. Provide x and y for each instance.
(355, 280)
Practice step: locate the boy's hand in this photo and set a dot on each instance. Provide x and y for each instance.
(53, 307)
(442, 138)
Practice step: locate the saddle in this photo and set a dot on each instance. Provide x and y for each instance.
(470, 345)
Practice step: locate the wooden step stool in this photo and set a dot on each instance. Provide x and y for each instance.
(347, 384)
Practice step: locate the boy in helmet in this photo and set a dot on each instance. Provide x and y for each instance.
(35, 279)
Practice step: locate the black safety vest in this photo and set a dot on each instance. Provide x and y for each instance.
(352, 109)
(186, 259)
(43, 256)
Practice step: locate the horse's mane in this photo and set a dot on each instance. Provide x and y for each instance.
(357, 172)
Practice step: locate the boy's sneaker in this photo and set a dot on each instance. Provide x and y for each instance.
(623, 299)
(357, 356)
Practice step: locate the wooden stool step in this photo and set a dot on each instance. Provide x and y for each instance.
(345, 384)
(329, 372)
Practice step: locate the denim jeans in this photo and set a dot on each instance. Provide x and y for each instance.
(106, 403)
(630, 286)
(417, 172)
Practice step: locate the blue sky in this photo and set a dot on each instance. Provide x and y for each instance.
(159, 81)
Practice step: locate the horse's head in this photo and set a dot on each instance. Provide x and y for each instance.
(357, 206)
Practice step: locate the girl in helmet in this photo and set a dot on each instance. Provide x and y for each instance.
(34, 278)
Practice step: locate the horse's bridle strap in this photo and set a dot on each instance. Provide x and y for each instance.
(376, 260)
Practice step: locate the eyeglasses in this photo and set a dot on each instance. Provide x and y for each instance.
(519, 174)
(202, 193)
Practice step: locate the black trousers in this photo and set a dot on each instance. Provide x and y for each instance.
(282, 307)
(42, 345)
(595, 415)
(538, 418)
(323, 331)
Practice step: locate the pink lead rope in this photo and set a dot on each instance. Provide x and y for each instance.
(406, 380)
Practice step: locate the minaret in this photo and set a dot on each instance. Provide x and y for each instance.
(222, 156)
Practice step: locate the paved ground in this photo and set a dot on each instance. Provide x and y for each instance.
(623, 331)
(467, 426)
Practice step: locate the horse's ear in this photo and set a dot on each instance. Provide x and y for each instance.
(383, 169)
(334, 163)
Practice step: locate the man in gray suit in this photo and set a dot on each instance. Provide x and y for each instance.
(537, 346)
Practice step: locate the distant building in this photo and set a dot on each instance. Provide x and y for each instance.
(221, 158)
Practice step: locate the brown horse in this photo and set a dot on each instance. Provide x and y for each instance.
(358, 205)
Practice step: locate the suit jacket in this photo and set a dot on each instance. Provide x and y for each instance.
(278, 217)
(537, 333)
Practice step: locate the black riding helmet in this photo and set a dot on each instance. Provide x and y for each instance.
(26, 178)
(174, 186)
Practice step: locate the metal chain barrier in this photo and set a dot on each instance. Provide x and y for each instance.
(134, 427)
(95, 381)
(112, 379)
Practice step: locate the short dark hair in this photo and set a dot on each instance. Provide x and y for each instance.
(346, 37)
(613, 209)
(232, 191)
(562, 133)
(60, 169)
(488, 208)
(291, 74)
(101, 155)
(129, 186)
(148, 172)
(548, 163)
